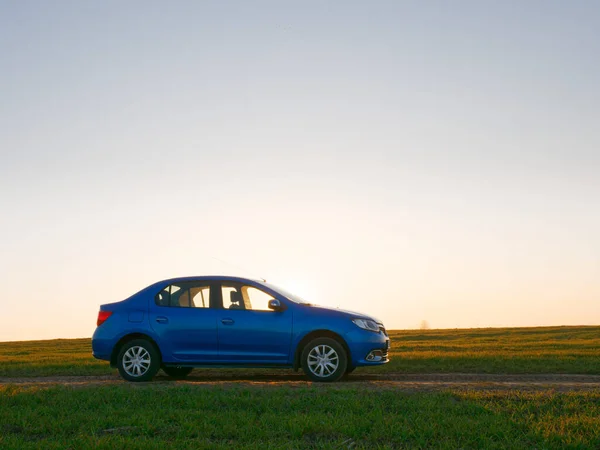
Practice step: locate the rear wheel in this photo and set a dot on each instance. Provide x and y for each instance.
(138, 360)
(177, 372)
(324, 360)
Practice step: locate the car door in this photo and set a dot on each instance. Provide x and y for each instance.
(185, 322)
(249, 332)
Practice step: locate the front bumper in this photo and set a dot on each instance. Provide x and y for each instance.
(363, 343)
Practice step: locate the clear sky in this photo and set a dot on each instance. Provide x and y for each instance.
(415, 160)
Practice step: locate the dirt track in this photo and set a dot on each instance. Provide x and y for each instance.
(405, 382)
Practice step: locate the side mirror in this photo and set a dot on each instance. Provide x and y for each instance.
(275, 305)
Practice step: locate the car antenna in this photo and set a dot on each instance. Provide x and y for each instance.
(237, 267)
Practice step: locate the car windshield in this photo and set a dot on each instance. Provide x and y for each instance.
(287, 295)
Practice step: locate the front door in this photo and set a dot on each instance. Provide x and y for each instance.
(185, 322)
(249, 332)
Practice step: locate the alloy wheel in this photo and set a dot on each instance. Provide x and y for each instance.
(323, 360)
(136, 361)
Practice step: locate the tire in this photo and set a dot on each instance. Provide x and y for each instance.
(332, 368)
(177, 372)
(350, 369)
(138, 360)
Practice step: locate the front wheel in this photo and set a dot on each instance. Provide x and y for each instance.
(138, 360)
(177, 372)
(324, 360)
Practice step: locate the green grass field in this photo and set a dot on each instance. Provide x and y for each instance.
(175, 416)
(339, 416)
(491, 350)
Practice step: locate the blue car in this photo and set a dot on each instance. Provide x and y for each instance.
(182, 323)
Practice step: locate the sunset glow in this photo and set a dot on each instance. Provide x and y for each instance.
(444, 168)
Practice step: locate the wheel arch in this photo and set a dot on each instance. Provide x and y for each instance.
(131, 337)
(319, 334)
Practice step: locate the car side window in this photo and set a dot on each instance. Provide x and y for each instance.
(185, 295)
(180, 296)
(240, 296)
(200, 296)
(163, 297)
(232, 297)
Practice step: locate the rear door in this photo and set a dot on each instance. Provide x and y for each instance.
(183, 317)
(249, 332)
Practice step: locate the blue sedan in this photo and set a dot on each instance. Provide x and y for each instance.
(183, 323)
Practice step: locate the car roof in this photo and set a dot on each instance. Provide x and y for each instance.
(212, 277)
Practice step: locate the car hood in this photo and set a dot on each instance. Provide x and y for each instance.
(350, 314)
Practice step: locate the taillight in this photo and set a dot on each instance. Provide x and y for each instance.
(102, 316)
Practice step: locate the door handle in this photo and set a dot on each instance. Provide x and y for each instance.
(227, 321)
(162, 319)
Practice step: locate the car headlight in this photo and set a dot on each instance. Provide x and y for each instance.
(366, 324)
